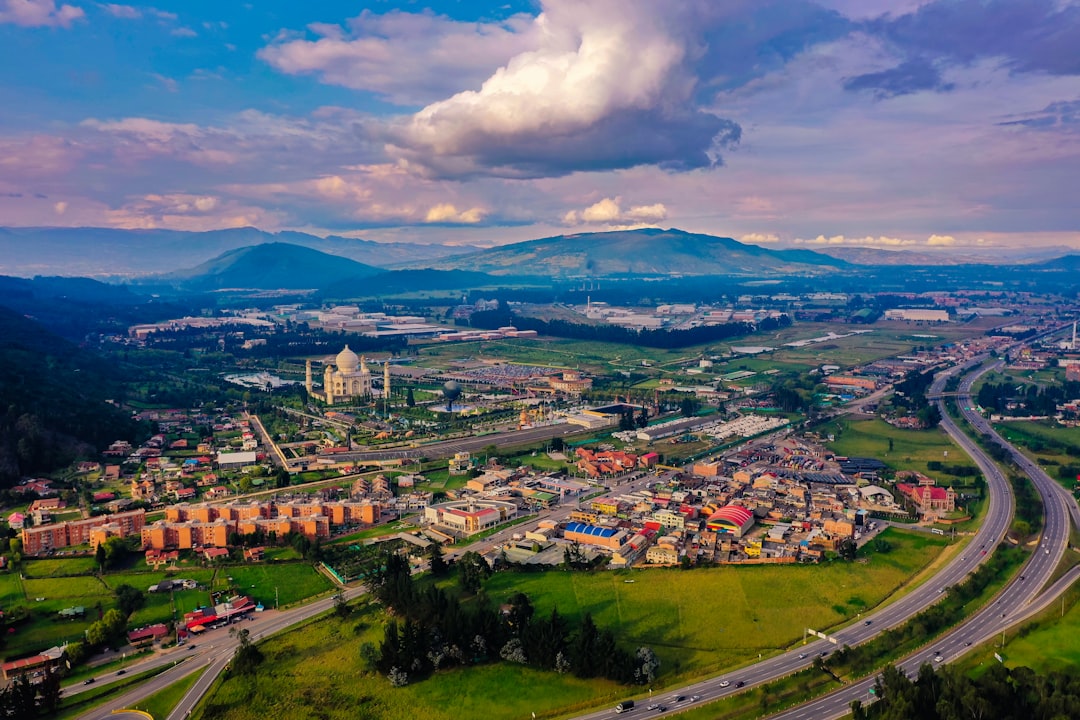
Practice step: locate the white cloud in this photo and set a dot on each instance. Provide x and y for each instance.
(648, 213)
(409, 58)
(609, 211)
(448, 213)
(38, 13)
(759, 238)
(60, 207)
(184, 32)
(869, 240)
(606, 210)
(941, 240)
(605, 87)
(128, 12)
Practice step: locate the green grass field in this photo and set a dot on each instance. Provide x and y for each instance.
(1049, 643)
(59, 567)
(161, 703)
(318, 666)
(702, 620)
(912, 449)
(294, 582)
(698, 621)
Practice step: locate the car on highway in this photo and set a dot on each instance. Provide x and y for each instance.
(89, 681)
(868, 622)
(654, 706)
(725, 683)
(938, 658)
(695, 698)
(121, 672)
(802, 656)
(678, 698)
(739, 684)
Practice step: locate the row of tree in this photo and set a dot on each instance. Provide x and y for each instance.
(437, 631)
(949, 693)
(1026, 399)
(665, 339)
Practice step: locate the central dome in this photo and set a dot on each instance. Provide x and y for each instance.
(347, 361)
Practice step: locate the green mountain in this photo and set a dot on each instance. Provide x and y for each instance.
(53, 394)
(269, 266)
(96, 252)
(647, 252)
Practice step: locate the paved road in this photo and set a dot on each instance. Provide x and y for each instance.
(1017, 595)
(1009, 608)
(213, 649)
(1019, 600)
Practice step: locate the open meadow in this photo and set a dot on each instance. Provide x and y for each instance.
(910, 449)
(51, 585)
(318, 666)
(697, 621)
(702, 620)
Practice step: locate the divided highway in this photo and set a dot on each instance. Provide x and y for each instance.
(1014, 603)
(1018, 600)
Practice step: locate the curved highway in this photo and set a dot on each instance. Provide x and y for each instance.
(1009, 608)
(1016, 602)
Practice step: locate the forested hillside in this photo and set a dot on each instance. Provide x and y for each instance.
(53, 395)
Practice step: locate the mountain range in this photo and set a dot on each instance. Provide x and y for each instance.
(108, 252)
(253, 259)
(645, 252)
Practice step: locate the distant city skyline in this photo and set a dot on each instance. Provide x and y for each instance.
(901, 124)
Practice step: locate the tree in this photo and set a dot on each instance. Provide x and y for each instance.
(410, 401)
(688, 406)
(648, 665)
(435, 557)
(128, 599)
(99, 557)
(341, 605)
(247, 657)
(847, 549)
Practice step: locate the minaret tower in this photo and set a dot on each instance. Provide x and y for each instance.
(308, 382)
(386, 385)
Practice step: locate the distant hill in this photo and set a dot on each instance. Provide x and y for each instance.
(98, 252)
(646, 252)
(52, 400)
(942, 256)
(269, 266)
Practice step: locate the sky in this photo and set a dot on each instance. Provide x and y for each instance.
(900, 124)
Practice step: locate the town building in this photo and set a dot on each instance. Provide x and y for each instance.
(43, 538)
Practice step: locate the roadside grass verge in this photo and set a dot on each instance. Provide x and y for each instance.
(161, 703)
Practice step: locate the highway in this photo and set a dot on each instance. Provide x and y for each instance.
(1013, 603)
(213, 648)
(987, 623)
(1019, 600)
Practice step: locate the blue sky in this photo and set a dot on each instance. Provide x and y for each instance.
(893, 123)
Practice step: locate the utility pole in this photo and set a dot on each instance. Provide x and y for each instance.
(277, 603)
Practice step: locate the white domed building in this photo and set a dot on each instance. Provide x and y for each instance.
(347, 379)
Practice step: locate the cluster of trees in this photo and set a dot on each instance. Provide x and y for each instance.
(910, 394)
(291, 341)
(437, 631)
(53, 407)
(666, 339)
(628, 421)
(1029, 399)
(21, 700)
(948, 693)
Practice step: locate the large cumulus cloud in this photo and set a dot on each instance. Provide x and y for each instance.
(607, 86)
